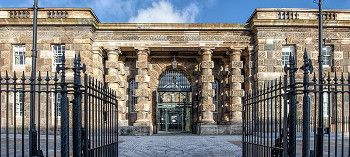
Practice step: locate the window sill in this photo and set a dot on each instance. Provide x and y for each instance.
(19, 66)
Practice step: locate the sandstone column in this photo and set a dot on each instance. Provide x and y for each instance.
(236, 92)
(143, 94)
(97, 70)
(116, 79)
(207, 93)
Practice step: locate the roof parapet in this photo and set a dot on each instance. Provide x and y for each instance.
(75, 13)
(298, 14)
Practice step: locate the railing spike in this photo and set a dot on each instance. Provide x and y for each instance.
(7, 76)
(39, 76)
(329, 78)
(314, 78)
(47, 78)
(335, 77)
(55, 77)
(23, 78)
(14, 76)
(79, 59)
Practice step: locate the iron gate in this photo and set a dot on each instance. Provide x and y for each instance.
(281, 118)
(85, 126)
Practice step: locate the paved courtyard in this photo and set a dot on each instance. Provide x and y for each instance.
(179, 146)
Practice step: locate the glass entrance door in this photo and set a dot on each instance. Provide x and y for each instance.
(174, 102)
(174, 118)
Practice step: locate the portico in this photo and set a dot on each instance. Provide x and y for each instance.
(202, 107)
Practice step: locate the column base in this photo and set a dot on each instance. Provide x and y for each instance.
(207, 129)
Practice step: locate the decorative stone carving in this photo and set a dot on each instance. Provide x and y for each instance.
(207, 78)
(57, 14)
(207, 64)
(237, 93)
(112, 64)
(207, 93)
(19, 14)
(239, 79)
(288, 15)
(142, 64)
(237, 64)
(329, 16)
(142, 93)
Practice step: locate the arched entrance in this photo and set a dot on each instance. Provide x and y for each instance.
(174, 102)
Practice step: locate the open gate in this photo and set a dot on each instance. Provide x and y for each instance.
(282, 118)
(85, 126)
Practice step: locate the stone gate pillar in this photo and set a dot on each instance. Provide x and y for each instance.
(207, 92)
(236, 91)
(143, 92)
(116, 80)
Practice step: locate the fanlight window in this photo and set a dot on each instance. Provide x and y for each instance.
(174, 80)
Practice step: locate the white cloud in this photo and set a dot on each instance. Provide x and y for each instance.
(163, 11)
(111, 9)
(106, 10)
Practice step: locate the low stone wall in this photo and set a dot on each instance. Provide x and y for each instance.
(134, 131)
(201, 130)
(219, 129)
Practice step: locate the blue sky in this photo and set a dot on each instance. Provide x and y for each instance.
(181, 11)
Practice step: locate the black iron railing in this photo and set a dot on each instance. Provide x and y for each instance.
(85, 126)
(282, 117)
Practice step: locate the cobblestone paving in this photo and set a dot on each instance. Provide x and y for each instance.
(180, 146)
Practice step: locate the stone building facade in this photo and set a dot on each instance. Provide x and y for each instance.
(174, 77)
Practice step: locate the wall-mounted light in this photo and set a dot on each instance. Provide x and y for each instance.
(174, 63)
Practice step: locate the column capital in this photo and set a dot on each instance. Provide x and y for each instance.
(98, 49)
(116, 51)
(206, 50)
(234, 51)
(142, 50)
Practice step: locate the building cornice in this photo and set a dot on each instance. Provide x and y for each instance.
(262, 17)
(172, 26)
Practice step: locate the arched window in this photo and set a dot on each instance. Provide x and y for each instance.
(216, 88)
(132, 97)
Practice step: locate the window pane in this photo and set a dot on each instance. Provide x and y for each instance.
(286, 52)
(56, 104)
(132, 96)
(58, 52)
(19, 54)
(19, 103)
(327, 52)
(216, 88)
